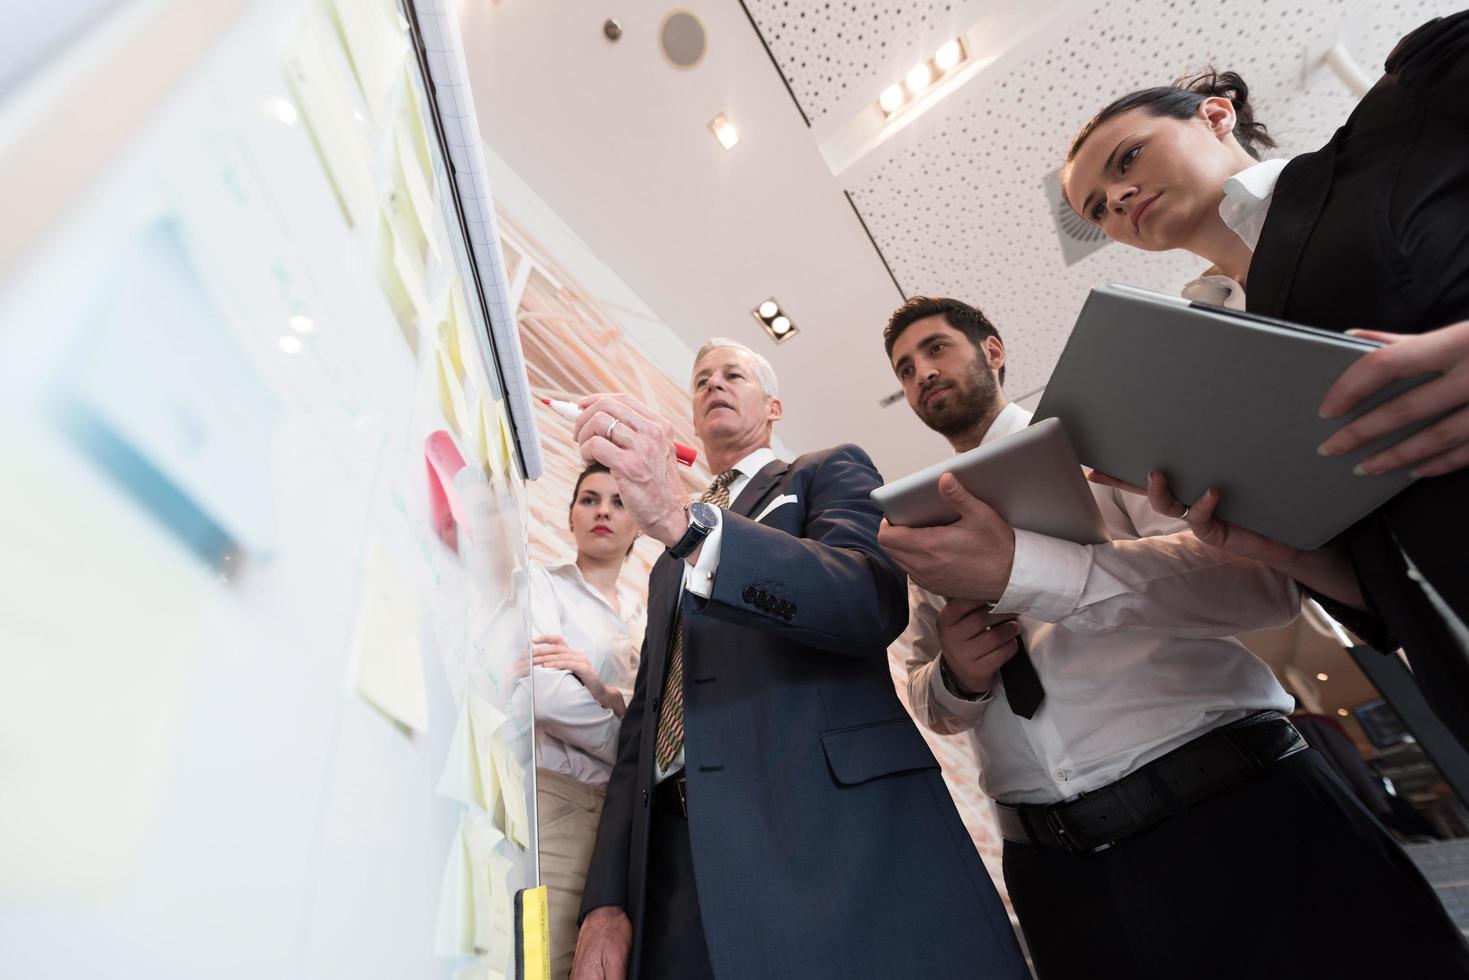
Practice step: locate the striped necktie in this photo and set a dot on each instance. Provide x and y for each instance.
(670, 709)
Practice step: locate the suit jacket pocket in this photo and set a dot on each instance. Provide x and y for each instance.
(877, 749)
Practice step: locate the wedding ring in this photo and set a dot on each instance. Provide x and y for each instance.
(1184, 515)
(608, 434)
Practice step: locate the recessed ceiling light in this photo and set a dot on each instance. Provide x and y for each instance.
(921, 77)
(724, 131)
(1322, 677)
(949, 55)
(776, 323)
(1343, 712)
(918, 78)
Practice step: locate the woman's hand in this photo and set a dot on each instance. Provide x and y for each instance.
(1325, 570)
(551, 651)
(1442, 447)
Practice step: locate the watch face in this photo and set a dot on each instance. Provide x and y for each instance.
(705, 515)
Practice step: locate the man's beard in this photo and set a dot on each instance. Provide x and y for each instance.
(970, 399)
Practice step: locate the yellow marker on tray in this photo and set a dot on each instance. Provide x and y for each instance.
(532, 938)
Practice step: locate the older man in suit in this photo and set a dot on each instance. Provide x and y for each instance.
(773, 811)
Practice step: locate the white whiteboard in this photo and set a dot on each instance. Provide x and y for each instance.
(190, 782)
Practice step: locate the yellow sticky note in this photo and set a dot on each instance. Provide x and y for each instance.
(464, 328)
(451, 394)
(412, 121)
(375, 43)
(507, 440)
(461, 778)
(388, 663)
(480, 969)
(454, 931)
(490, 869)
(333, 121)
(491, 442)
(449, 344)
(511, 777)
(402, 277)
(419, 194)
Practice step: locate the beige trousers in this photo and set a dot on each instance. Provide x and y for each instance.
(567, 812)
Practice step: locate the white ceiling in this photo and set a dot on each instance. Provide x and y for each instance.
(616, 141)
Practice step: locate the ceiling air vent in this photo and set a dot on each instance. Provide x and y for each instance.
(1079, 238)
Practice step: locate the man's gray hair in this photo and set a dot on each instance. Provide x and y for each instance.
(764, 373)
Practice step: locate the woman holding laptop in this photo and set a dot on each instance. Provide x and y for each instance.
(1370, 231)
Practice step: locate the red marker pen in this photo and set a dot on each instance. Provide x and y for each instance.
(570, 410)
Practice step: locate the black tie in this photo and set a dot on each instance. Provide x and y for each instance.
(1022, 684)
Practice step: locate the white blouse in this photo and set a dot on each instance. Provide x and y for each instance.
(575, 734)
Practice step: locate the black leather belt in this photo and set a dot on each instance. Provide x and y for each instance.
(672, 796)
(1165, 787)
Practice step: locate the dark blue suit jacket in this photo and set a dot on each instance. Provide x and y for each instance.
(824, 841)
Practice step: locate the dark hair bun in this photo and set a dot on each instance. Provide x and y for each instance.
(1210, 84)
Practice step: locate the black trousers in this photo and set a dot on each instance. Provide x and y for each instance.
(672, 930)
(1286, 875)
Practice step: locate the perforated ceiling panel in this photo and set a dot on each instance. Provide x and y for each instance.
(960, 211)
(825, 47)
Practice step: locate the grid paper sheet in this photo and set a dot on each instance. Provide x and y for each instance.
(444, 49)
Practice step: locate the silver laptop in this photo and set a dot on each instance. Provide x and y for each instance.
(1031, 478)
(1218, 398)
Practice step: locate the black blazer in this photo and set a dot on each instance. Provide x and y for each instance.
(824, 841)
(1372, 231)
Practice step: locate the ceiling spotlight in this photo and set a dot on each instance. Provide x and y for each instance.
(776, 323)
(1322, 677)
(922, 76)
(1343, 712)
(949, 55)
(918, 78)
(724, 131)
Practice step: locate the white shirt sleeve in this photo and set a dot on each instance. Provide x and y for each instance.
(1166, 582)
(566, 710)
(564, 707)
(545, 611)
(930, 700)
(698, 578)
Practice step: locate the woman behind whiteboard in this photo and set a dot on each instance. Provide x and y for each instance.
(1371, 231)
(589, 630)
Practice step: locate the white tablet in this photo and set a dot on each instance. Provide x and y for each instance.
(1031, 478)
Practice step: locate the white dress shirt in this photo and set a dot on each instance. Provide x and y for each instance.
(1132, 641)
(698, 578)
(1247, 197)
(575, 734)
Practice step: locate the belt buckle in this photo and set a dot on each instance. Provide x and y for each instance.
(682, 785)
(1068, 843)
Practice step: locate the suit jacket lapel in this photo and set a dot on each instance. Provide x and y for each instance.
(759, 488)
(665, 587)
(1300, 194)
